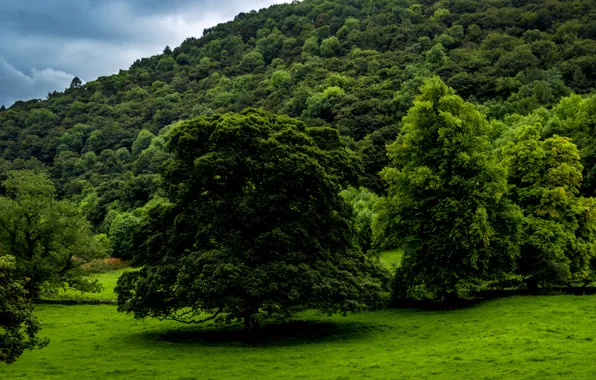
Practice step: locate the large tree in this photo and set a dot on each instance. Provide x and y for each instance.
(18, 327)
(257, 229)
(559, 225)
(49, 238)
(447, 200)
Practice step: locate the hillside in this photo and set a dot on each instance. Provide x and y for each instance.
(355, 65)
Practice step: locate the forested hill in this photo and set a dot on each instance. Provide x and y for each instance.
(355, 65)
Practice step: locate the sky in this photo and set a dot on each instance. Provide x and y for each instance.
(46, 43)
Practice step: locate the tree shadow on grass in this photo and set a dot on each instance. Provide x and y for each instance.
(283, 334)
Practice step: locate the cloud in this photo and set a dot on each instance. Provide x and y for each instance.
(15, 85)
(43, 44)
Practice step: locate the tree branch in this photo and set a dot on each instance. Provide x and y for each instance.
(192, 322)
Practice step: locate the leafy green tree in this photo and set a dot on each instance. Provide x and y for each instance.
(76, 83)
(50, 239)
(362, 201)
(311, 46)
(373, 151)
(122, 230)
(252, 62)
(330, 47)
(575, 117)
(18, 327)
(447, 201)
(142, 141)
(321, 105)
(559, 226)
(257, 230)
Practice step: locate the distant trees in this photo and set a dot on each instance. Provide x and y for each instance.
(363, 202)
(76, 83)
(257, 229)
(356, 67)
(18, 327)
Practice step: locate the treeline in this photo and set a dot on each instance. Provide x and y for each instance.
(354, 65)
(258, 229)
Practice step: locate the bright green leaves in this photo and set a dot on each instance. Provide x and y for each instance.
(50, 239)
(558, 226)
(446, 201)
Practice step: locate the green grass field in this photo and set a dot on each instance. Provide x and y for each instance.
(549, 337)
(392, 258)
(108, 281)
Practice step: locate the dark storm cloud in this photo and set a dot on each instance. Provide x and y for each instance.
(44, 44)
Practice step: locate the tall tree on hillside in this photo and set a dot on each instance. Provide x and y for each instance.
(50, 239)
(559, 226)
(447, 200)
(257, 230)
(18, 327)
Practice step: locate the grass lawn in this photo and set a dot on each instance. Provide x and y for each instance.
(549, 337)
(392, 258)
(108, 281)
(520, 337)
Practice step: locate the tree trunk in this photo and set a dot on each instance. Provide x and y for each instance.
(250, 322)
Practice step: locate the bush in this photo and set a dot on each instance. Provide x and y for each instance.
(105, 265)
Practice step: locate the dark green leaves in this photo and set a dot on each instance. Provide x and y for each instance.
(257, 230)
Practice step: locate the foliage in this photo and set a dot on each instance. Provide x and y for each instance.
(447, 201)
(355, 65)
(559, 226)
(362, 201)
(575, 117)
(18, 327)
(257, 229)
(122, 230)
(104, 265)
(50, 239)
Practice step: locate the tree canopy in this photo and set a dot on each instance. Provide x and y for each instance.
(354, 65)
(18, 327)
(49, 239)
(447, 201)
(489, 188)
(559, 225)
(257, 229)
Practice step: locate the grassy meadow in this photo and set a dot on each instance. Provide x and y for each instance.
(108, 280)
(513, 338)
(392, 258)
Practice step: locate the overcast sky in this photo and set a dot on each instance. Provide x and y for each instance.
(45, 43)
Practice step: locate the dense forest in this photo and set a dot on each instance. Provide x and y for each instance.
(460, 130)
(355, 65)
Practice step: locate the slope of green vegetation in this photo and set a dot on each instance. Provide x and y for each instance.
(354, 65)
(521, 337)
